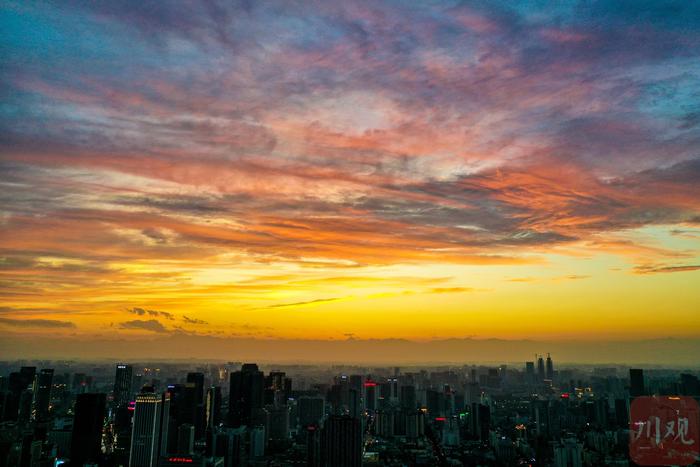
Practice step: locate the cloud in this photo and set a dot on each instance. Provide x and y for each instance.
(521, 279)
(156, 313)
(37, 323)
(372, 135)
(147, 325)
(651, 269)
(309, 302)
(574, 277)
(193, 320)
(451, 289)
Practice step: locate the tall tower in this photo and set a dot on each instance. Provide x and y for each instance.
(43, 394)
(245, 394)
(212, 408)
(86, 443)
(636, 382)
(341, 442)
(197, 379)
(150, 430)
(530, 372)
(541, 375)
(550, 367)
(122, 385)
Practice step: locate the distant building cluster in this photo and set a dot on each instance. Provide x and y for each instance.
(231, 415)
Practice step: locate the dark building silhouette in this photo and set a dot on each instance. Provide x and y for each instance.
(407, 398)
(245, 394)
(86, 443)
(371, 395)
(18, 382)
(150, 429)
(43, 394)
(122, 385)
(313, 445)
(690, 385)
(636, 382)
(278, 386)
(541, 374)
(341, 442)
(212, 407)
(622, 416)
(197, 379)
(549, 368)
(183, 409)
(311, 410)
(480, 421)
(185, 439)
(530, 372)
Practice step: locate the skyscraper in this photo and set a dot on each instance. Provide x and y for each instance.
(636, 382)
(313, 445)
(212, 408)
(541, 375)
(122, 385)
(185, 439)
(197, 379)
(550, 368)
(311, 410)
(149, 435)
(530, 372)
(183, 409)
(341, 442)
(43, 394)
(86, 444)
(408, 398)
(18, 382)
(245, 394)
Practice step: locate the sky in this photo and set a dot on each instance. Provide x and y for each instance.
(310, 172)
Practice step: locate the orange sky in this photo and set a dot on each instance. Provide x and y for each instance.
(366, 172)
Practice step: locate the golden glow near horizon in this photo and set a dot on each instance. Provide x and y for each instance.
(559, 296)
(223, 181)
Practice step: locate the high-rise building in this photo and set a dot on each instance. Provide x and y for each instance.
(18, 382)
(480, 419)
(150, 429)
(185, 439)
(197, 379)
(690, 385)
(256, 447)
(230, 444)
(122, 385)
(341, 442)
(371, 395)
(277, 422)
(530, 372)
(86, 444)
(245, 394)
(311, 410)
(354, 403)
(622, 413)
(568, 453)
(24, 413)
(42, 399)
(541, 374)
(212, 407)
(183, 409)
(550, 368)
(636, 382)
(313, 446)
(407, 398)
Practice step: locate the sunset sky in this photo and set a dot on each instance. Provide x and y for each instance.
(341, 170)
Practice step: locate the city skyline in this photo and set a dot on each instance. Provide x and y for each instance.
(236, 414)
(437, 181)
